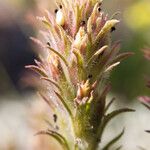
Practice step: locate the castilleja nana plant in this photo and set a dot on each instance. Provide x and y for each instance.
(78, 58)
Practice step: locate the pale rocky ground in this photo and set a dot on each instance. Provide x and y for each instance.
(14, 125)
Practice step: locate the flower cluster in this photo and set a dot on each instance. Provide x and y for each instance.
(74, 66)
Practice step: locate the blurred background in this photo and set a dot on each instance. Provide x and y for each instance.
(18, 22)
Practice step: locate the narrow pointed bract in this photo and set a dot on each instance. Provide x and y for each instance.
(78, 55)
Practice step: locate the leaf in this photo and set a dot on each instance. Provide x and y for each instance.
(59, 55)
(50, 104)
(56, 136)
(37, 69)
(38, 62)
(106, 28)
(37, 41)
(107, 88)
(77, 15)
(122, 56)
(113, 52)
(66, 39)
(99, 105)
(113, 141)
(107, 58)
(110, 116)
(101, 50)
(52, 82)
(49, 123)
(79, 58)
(80, 63)
(64, 104)
(109, 104)
(115, 14)
(112, 66)
(90, 20)
(45, 21)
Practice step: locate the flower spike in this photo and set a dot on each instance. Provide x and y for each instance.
(76, 62)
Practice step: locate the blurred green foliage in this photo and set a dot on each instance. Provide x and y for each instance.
(137, 16)
(129, 78)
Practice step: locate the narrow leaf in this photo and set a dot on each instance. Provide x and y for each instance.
(106, 59)
(64, 104)
(45, 21)
(110, 116)
(121, 57)
(97, 54)
(115, 14)
(49, 123)
(109, 104)
(52, 82)
(113, 141)
(66, 38)
(37, 69)
(106, 28)
(56, 136)
(107, 88)
(79, 58)
(77, 15)
(112, 66)
(90, 20)
(37, 41)
(60, 55)
(80, 63)
(50, 104)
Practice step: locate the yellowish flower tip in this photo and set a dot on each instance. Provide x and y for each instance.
(60, 18)
(80, 35)
(84, 90)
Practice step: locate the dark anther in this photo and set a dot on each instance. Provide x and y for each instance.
(55, 117)
(99, 9)
(60, 6)
(56, 10)
(113, 29)
(48, 44)
(82, 23)
(90, 76)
